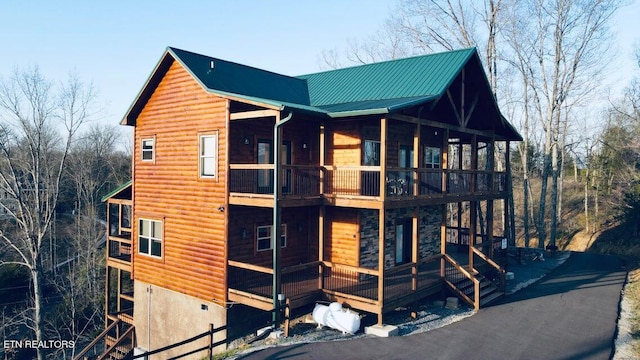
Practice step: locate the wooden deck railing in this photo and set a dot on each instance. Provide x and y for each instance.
(408, 278)
(297, 180)
(352, 180)
(296, 280)
(341, 280)
(362, 181)
(119, 249)
(304, 279)
(351, 281)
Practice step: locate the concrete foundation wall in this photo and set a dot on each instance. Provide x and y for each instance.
(163, 317)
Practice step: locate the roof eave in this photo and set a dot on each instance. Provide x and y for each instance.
(116, 191)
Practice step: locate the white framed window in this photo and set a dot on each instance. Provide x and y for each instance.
(263, 237)
(150, 237)
(147, 148)
(208, 155)
(432, 157)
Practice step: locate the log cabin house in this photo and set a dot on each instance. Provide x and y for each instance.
(364, 185)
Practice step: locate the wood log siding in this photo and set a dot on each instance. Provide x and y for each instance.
(300, 131)
(342, 236)
(169, 189)
(302, 233)
(344, 145)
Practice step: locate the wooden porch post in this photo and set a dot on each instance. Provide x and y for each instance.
(509, 199)
(322, 159)
(381, 251)
(444, 165)
(321, 216)
(415, 248)
(460, 154)
(490, 203)
(107, 284)
(381, 218)
(321, 212)
(473, 210)
(416, 158)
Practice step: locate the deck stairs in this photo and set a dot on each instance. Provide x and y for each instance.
(106, 346)
(489, 291)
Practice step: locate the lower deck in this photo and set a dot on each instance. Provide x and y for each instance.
(354, 287)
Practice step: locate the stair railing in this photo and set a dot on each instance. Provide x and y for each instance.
(454, 274)
(127, 342)
(100, 338)
(495, 267)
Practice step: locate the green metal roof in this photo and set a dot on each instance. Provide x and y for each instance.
(420, 76)
(377, 88)
(233, 78)
(372, 88)
(116, 191)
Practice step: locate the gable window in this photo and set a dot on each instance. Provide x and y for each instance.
(371, 156)
(150, 237)
(208, 155)
(431, 157)
(148, 147)
(263, 237)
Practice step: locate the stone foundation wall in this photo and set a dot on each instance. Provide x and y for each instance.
(429, 220)
(369, 230)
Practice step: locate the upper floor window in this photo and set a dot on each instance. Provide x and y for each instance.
(208, 155)
(432, 157)
(371, 156)
(148, 149)
(150, 237)
(263, 238)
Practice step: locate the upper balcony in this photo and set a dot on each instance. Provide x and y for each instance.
(119, 217)
(252, 184)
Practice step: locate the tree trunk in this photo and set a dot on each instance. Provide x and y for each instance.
(37, 307)
(525, 213)
(586, 201)
(554, 197)
(543, 200)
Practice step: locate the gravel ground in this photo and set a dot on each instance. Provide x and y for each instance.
(624, 340)
(431, 315)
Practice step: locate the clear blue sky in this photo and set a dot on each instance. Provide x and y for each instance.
(115, 44)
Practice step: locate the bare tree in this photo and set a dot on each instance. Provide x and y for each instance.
(569, 47)
(38, 124)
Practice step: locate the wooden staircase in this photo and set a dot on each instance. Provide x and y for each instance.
(489, 291)
(471, 284)
(115, 343)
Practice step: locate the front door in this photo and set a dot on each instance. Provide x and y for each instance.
(403, 241)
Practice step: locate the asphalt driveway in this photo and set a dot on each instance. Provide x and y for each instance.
(569, 314)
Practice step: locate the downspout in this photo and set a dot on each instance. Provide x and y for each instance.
(276, 232)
